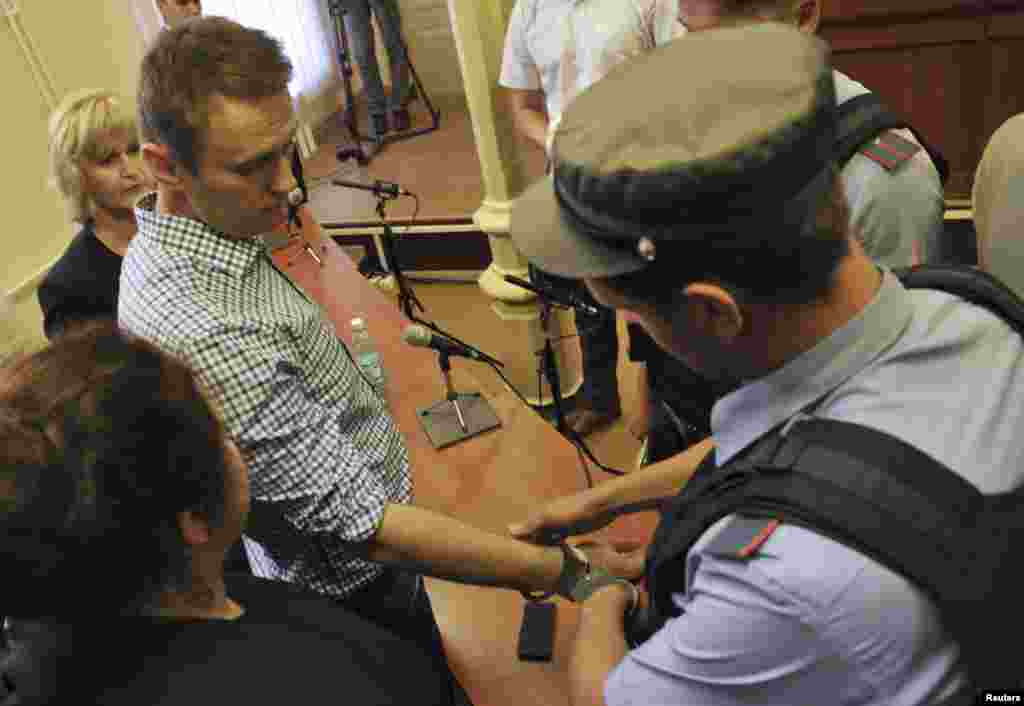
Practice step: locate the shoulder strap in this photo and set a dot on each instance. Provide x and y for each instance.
(865, 117)
(971, 284)
(857, 485)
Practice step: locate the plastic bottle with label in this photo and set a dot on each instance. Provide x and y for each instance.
(367, 357)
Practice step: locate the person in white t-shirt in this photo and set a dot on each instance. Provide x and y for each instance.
(555, 50)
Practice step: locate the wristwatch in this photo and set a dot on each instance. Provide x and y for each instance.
(575, 566)
(575, 570)
(591, 582)
(579, 580)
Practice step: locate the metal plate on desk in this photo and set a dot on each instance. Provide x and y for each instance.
(441, 422)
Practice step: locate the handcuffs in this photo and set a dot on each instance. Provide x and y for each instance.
(579, 580)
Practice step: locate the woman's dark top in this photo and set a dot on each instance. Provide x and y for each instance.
(82, 285)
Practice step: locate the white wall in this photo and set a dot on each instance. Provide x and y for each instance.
(428, 34)
(78, 44)
(97, 44)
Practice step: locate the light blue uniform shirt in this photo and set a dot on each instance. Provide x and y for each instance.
(808, 620)
(892, 213)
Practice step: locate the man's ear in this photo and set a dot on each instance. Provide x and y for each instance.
(195, 530)
(808, 15)
(158, 161)
(713, 311)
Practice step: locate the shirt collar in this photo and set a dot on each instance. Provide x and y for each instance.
(195, 239)
(743, 416)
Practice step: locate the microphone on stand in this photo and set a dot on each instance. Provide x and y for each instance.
(377, 187)
(422, 337)
(566, 300)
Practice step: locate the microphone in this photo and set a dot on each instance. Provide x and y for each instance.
(422, 337)
(377, 187)
(566, 300)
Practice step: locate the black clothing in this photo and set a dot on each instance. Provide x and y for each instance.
(81, 285)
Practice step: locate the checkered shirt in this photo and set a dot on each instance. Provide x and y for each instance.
(324, 456)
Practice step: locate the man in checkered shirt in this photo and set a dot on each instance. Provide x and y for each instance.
(330, 475)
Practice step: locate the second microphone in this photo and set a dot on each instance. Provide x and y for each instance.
(422, 337)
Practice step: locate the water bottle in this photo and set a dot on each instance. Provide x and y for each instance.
(366, 354)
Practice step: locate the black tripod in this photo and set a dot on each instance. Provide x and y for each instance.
(547, 368)
(350, 118)
(406, 297)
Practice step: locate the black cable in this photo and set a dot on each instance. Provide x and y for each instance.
(571, 434)
(581, 446)
(574, 438)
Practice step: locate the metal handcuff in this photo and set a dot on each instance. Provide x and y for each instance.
(578, 580)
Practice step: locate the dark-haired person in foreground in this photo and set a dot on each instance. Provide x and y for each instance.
(120, 494)
(713, 212)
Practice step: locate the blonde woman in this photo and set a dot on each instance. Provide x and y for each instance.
(94, 164)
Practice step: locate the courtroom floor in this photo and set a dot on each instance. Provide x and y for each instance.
(465, 311)
(479, 624)
(441, 167)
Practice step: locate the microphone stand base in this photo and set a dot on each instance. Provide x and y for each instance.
(441, 424)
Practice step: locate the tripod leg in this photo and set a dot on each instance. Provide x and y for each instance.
(350, 116)
(458, 413)
(390, 22)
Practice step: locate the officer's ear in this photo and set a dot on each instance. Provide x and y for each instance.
(713, 311)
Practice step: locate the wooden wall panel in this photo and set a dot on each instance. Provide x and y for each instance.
(938, 89)
(952, 67)
(1006, 98)
(853, 10)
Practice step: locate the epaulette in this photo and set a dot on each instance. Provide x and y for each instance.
(741, 537)
(890, 149)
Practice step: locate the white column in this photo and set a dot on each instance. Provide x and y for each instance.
(479, 29)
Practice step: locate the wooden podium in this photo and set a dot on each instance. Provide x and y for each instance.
(487, 481)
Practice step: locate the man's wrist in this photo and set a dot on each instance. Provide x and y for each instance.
(542, 581)
(575, 569)
(622, 593)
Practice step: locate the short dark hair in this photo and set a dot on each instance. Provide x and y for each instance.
(104, 440)
(772, 267)
(203, 57)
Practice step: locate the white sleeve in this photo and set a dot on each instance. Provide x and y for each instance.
(518, 69)
(666, 22)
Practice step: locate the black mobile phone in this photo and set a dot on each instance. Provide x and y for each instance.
(537, 634)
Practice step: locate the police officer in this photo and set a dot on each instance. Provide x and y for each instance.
(895, 199)
(715, 214)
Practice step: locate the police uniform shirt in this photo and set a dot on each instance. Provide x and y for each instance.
(807, 620)
(896, 208)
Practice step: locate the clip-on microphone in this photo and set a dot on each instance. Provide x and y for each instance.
(296, 198)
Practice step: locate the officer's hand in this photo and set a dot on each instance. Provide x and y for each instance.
(578, 513)
(622, 559)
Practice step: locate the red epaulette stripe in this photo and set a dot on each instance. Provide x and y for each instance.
(891, 149)
(881, 159)
(759, 539)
